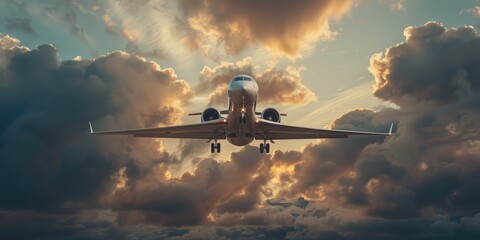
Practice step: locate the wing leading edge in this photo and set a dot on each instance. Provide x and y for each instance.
(274, 131)
(206, 130)
(217, 129)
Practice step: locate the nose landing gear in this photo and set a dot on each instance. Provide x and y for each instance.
(242, 119)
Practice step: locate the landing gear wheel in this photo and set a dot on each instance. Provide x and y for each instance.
(215, 147)
(265, 147)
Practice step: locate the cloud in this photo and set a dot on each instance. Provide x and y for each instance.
(146, 26)
(111, 26)
(213, 188)
(46, 104)
(133, 45)
(56, 180)
(324, 162)
(278, 86)
(398, 5)
(475, 11)
(433, 64)
(67, 14)
(428, 166)
(283, 26)
(22, 24)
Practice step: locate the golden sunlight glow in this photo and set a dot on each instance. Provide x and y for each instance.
(128, 35)
(211, 217)
(373, 185)
(276, 184)
(423, 166)
(121, 179)
(160, 147)
(161, 173)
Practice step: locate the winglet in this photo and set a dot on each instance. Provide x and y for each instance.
(391, 128)
(91, 129)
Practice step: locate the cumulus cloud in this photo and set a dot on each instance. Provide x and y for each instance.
(278, 86)
(67, 173)
(429, 165)
(282, 26)
(433, 64)
(420, 183)
(46, 104)
(422, 178)
(194, 198)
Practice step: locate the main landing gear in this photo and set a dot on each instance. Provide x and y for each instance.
(215, 146)
(264, 147)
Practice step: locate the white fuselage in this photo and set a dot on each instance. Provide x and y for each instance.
(242, 95)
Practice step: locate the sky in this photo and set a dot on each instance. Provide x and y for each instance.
(346, 64)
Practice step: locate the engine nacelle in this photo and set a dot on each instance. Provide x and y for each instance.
(210, 114)
(271, 114)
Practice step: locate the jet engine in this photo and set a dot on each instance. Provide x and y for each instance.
(271, 114)
(210, 114)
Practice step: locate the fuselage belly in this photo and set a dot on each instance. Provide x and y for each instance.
(241, 118)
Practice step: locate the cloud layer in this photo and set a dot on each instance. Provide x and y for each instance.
(282, 26)
(59, 182)
(46, 105)
(276, 85)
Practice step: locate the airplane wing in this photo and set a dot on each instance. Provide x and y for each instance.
(275, 131)
(215, 129)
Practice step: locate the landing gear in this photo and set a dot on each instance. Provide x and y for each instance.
(265, 147)
(215, 146)
(242, 119)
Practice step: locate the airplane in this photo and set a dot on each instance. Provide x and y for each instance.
(242, 123)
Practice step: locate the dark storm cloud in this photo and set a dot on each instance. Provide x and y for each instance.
(52, 170)
(214, 188)
(287, 158)
(191, 148)
(424, 179)
(433, 64)
(57, 181)
(46, 105)
(278, 86)
(431, 164)
(279, 25)
(325, 161)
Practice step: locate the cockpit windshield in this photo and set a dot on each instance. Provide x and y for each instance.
(242, 78)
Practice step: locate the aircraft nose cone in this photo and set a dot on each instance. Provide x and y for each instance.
(242, 89)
